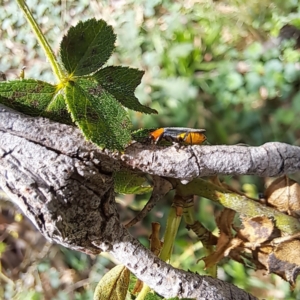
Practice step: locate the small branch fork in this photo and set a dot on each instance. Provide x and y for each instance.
(64, 184)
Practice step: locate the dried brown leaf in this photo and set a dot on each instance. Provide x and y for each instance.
(224, 246)
(285, 261)
(261, 256)
(256, 230)
(137, 287)
(225, 220)
(226, 242)
(155, 242)
(284, 194)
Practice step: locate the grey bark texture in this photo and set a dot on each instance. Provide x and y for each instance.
(64, 184)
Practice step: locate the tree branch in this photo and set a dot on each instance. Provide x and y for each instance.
(64, 185)
(186, 162)
(189, 162)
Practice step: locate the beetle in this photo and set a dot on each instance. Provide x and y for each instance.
(187, 136)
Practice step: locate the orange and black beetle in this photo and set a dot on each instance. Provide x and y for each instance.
(187, 136)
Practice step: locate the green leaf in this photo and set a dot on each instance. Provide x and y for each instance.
(128, 182)
(57, 109)
(285, 116)
(28, 96)
(35, 98)
(234, 81)
(113, 285)
(122, 82)
(87, 46)
(154, 296)
(98, 114)
(29, 295)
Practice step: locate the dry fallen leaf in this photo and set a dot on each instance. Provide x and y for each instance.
(226, 242)
(284, 194)
(261, 255)
(282, 259)
(256, 230)
(155, 242)
(225, 220)
(137, 287)
(224, 246)
(285, 261)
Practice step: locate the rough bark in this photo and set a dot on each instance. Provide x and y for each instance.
(187, 163)
(64, 185)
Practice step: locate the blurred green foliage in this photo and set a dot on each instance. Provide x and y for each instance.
(208, 64)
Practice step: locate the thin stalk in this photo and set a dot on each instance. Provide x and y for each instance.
(173, 223)
(143, 293)
(57, 70)
(188, 216)
(169, 237)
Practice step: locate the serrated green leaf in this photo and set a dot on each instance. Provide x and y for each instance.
(122, 82)
(113, 285)
(28, 96)
(87, 46)
(98, 114)
(128, 182)
(34, 98)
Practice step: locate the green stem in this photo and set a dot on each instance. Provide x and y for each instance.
(143, 293)
(173, 223)
(57, 70)
(239, 203)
